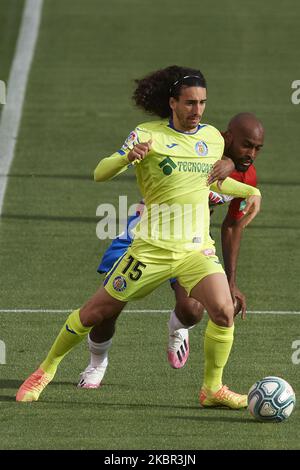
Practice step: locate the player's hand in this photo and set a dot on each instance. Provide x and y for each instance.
(251, 210)
(220, 171)
(239, 301)
(139, 151)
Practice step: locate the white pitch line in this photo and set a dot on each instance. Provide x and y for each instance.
(32, 310)
(275, 312)
(16, 89)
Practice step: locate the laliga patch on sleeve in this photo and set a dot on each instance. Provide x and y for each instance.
(131, 140)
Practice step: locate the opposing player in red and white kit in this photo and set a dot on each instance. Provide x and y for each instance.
(244, 138)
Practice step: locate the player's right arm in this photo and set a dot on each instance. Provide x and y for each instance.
(111, 166)
(118, 162)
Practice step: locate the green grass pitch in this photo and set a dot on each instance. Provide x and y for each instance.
(78, 109)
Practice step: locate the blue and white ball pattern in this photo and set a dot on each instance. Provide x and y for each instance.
(271, 399)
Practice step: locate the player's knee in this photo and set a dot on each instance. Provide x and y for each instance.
(93, 316)
(224, 315)
(95, 313)
(190, 311)
(85, 321)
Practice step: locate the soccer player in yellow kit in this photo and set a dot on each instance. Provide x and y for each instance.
(172, 158)
(243, 139)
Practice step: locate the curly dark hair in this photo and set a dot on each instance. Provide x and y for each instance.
(153, 91)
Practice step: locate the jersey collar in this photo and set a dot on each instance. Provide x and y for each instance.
(171, 125)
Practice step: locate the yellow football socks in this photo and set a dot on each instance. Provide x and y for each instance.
(69, 336)
(217, 345)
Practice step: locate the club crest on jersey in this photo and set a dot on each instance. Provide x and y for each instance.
(119, 283)
(201, 148)
(131, 140)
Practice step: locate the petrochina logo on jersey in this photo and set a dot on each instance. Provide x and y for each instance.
(131, 140)
(201, 148)
(119, 283)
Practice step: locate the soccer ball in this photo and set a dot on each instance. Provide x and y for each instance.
(271, 399)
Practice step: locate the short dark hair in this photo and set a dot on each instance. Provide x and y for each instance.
(153, 92)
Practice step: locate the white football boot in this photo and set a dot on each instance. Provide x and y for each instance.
(92, 377)
(178, 348)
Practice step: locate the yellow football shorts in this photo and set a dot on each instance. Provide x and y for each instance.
(144, 267)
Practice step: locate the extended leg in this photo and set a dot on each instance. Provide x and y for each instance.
(100, 307)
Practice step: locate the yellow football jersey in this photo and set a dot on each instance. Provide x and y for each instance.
(172, 179)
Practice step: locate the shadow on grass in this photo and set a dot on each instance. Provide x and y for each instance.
(13, 384)
(104, 385)
(203, 414)
(7, 398)
(10, 383)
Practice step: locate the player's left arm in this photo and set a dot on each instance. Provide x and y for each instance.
(241, 190)
(231, 233)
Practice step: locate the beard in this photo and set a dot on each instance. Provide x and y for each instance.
(186, 123)
(240, 164)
